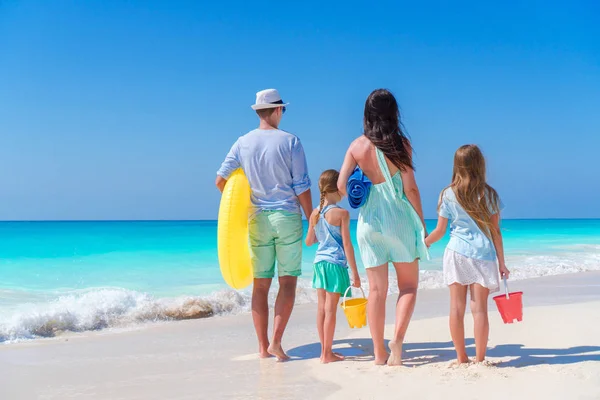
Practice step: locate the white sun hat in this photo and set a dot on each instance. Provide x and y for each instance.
(268, 98)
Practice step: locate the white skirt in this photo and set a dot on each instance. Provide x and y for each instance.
(466, 271)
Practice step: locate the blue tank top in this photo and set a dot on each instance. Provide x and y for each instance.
(331, 247)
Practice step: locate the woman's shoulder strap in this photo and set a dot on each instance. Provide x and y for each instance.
(383, 166)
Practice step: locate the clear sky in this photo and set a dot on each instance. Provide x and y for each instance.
(125, 109)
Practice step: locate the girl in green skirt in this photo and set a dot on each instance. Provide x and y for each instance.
(330, 227)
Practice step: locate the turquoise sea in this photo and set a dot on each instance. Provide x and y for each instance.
(79, 276)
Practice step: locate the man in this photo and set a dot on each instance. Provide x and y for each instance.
(275, 165)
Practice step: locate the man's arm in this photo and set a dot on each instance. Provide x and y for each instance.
(305, 200)
(220, 183)
(300, 179)
(231, 163)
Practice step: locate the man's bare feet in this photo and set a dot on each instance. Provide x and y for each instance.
(395, 358)
(331, 357)
(276, 350)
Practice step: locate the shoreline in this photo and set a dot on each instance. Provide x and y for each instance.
(202, 358)
(118, 309)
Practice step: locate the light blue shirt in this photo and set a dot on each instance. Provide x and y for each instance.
(275, 165)
(466, 237)
(331, 244)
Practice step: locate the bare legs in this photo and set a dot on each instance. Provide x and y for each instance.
(260, 314)
(283, 309)
(458, 303)
(326, 318)
(479, 298)
(408, 282)
(321, 299)
(378, 287)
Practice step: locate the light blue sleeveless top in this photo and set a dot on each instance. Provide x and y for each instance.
(331, 247)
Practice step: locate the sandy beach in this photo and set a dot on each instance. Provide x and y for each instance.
(553, 354)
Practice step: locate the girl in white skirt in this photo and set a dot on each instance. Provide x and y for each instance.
(474, 257)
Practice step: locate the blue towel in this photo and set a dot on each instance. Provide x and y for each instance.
(358, 188)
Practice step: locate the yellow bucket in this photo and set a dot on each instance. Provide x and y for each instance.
(355, 310)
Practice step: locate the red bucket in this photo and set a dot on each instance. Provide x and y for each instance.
(510, 305)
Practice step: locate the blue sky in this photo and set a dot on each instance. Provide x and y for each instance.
(124, 110)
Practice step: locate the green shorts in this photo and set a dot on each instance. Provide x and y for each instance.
(332, 278)
(276, 235)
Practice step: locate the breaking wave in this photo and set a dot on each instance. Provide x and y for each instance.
(100, 308)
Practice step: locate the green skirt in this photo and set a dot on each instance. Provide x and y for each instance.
(331, 277)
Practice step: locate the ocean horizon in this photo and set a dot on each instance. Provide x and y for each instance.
(88, 275)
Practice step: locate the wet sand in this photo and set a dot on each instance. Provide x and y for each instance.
(553, 354)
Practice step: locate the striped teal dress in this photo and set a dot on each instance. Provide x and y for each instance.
(389, 229)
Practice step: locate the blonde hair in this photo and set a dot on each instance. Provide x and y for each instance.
(476, 197)
(327, 184)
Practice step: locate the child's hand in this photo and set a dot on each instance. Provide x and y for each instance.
(504, 272)
(356, 280)
(427, 242)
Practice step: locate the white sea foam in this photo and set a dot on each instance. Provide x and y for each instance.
(101, 308)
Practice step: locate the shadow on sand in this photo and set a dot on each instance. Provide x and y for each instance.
(352, 349)
(434, 352)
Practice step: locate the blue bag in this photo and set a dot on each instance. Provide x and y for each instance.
(358, 188)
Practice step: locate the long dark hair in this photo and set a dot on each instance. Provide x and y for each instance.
(383, 128)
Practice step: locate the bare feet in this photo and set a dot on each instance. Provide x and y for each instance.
(463, 360)
(335, 353)
(381, 356)
(331, 357)
(263, 351)
(276, 350)
(460, 363)
(264, 354)
(382, 360)
(487, 363)
(395, 358)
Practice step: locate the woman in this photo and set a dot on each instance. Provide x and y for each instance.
(391, 227)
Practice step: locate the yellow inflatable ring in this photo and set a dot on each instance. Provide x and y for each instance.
(232, 232)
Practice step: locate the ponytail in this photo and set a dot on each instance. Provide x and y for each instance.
(321, 202)
(327, 184)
